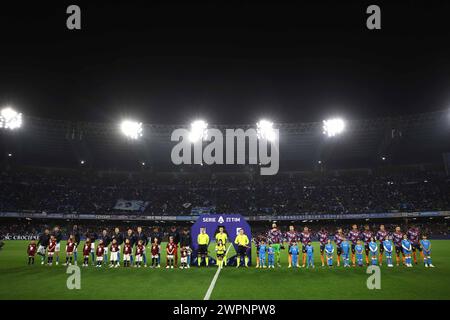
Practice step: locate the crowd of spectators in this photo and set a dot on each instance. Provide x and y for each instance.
(179, 194)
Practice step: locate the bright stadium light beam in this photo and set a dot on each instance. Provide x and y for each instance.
(198, 131)
(131, 129)
(333, 127)
(10, 119)
(265, 130)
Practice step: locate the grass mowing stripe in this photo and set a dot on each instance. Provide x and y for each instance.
(213, 282)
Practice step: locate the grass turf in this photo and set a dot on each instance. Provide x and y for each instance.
(20, 281)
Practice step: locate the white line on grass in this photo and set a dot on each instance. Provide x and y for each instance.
(213, 282)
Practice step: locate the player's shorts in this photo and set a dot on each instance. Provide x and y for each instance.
(276, 247)
(69, 253)
(126, 257)
(139, 258)
(58, 247)
(398, 250)
(92, 247)
(416, 246)
(188, 250)
(114, 256)
(202, 249)
(41, 250)
(183, 260)
(353, 248)
(99, 258)
(427, 253)
(367, 249)
(322, 248)
(241, 251)
(50, 254)
(338, 251)
(406, 252)
(170, 256)
(155, 256)
(220, 255)
(105, 250)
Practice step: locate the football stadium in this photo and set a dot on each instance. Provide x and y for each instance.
(205, 166)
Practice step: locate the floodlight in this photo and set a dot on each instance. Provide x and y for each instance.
(143, 163)
(198, 131)
(131, 129)
(333, 127)
(265, 130)
(10, 118)
(82, 162)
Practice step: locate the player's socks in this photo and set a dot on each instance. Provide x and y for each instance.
(207, 261)
(238, 261)
(338, 260)
(322, 259)
(304, 258)
(199, 261)
(367, 260)
(415, 257)
(67, 260)
(290, 259)
(380, 259)
(246, 261)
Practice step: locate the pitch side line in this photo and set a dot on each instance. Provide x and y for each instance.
(213, 282)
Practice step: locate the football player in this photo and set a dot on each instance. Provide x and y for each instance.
(407, 249)
(70, 246)
(323, 240)
(426, 249)
(381, 237)
(305, 238)
(31, 251)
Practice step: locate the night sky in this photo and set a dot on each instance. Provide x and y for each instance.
(227, 62)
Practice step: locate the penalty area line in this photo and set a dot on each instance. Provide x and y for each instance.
(213, 281)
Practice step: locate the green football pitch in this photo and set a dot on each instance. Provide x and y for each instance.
(20, 281)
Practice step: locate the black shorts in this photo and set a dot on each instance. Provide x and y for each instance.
(322, 248)
(338, 251)
(241, 251)
(416, 246)
(381, 248)
(220, 255)
(202, 249)
(367, 249)
(353, 248)
(398, 250)
(304, 249)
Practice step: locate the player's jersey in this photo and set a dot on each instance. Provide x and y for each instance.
(31, 250)
(70, 246)
(262, 249)
(305, 237)
(373, 246)
(329, 249)
(100, 250)
(270, 251)
(406, 245)
(387, 245)
(323, 237)
(338, 238)
(220, 249)
(381, 235)
(426, 245)
(155, 249)
(114, 247)
(359, 249)
(223, 237)
(413, 235)
(294, 250)
(274, 236)
(171, 248)
(345, 245)
(366, 236)
(291, 237)
(354, 236)
(397, 237)
(127, 249)
(309, 249)
(140, 249)
(52, 246)
(86, 248)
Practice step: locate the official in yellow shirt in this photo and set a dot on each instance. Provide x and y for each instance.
(242, 242)
(203, 242)
(222, 236)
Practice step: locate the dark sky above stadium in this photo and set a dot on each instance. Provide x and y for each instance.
(228, 62)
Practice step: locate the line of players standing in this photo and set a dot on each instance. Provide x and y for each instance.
(131, 245)
(355, 245)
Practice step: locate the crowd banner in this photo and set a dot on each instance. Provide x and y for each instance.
(131, 205)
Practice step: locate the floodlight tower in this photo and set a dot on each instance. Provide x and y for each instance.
(131, 129)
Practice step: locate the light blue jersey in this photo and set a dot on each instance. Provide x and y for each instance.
(345, 246)
(270, 257)
(310, 256)
(294, 251)
(388, 247)
(262, 255)
(426, 248)
(359, 251)
(373, 247)
(329, 250)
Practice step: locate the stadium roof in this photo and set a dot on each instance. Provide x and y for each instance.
(401, 140)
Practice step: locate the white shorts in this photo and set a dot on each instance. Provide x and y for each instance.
(92, 247)
(114, 256)
(183, 259)
(170, 256)
(41, 249)
(105, 250)
(139, 258)
(126, 257)
(58, 247)
(155, 257)
(50, 254)
(100, 258)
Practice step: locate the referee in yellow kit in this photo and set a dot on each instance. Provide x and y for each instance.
(203, 242)
(242, 242)
(222, 235)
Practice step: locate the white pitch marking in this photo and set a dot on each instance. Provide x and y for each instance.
(213, 282)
